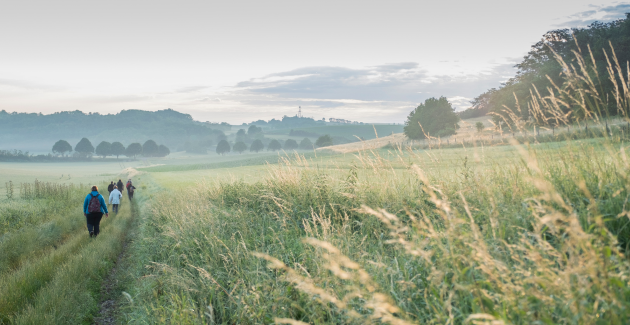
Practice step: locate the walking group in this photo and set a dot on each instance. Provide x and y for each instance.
(94, 206)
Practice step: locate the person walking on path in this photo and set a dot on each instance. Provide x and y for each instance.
(128, 185)
(120, 185)
(93, 208)
(131, 190)
(114, 199)
(110, 188)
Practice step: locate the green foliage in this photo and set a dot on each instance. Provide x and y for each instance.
(257, 145)
(104, 149)
(306, 144)
(577, 48)
(479, 126)
(84, 147)
(150, 149)
(240, 146)
(117, 149)
(133, 150)
(163, 151)
(61, 147)
(431, 117)
(241, 133)
(291, 145)
(223, 147)
(274, 145)
(324, 141)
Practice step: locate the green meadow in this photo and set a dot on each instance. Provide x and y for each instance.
(517, 233)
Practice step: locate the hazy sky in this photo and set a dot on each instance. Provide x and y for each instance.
(238, 61)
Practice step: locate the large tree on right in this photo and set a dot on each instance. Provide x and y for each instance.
(434, 117)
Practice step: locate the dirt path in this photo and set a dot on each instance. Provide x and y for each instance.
(110, 288)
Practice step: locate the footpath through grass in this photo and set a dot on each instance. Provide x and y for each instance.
(53, 269)
(540, 238)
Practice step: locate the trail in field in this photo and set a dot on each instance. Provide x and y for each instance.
(108, 306)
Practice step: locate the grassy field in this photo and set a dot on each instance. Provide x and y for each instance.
(352, 131)
(510, 234)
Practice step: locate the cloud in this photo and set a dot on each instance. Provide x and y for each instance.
(189, 89)
(598, 13)
(405, 82)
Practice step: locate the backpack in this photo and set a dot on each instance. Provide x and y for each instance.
(128, 184)
(94, 205)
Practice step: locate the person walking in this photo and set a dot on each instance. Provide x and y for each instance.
(93, 208)
(114, 199)
(128, 185)
(132, 189)
(110, 188)
(120, 185)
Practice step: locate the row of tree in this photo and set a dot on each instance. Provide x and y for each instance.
(223, 146)
(85, 148)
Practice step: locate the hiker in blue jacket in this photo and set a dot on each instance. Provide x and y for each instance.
(93, 208)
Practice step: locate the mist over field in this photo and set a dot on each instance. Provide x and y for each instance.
(315, 163)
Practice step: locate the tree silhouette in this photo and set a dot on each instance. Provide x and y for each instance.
(324, 141)
(133, 150)
(306, 144)
(84, 147)
(479, 126)
(291, 145)
(274, 145)
(434, 117)
(241, 133)
(61, 147)
(223, 147)
(104, 149)
(240, 147)
(150, 148)
(117, 149)
(163, 151)
(257, 145)
(253, 130)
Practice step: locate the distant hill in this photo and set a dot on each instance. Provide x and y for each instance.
(38, 132)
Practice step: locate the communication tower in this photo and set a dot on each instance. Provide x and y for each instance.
(300, 111)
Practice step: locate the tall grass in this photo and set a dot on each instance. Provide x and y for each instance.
(542, 239)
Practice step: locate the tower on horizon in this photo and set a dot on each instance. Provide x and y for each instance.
(299, 111)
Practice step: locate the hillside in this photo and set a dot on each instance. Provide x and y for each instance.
(38, 132)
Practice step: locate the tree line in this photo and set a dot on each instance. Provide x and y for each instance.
(257, 145)
(84, 148)
(591, 58)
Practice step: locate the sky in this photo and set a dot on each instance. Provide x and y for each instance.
(240, 61)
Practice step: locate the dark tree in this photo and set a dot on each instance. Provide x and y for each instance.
(324, 141)
(163, 151)
(133, 150)
(479, 126)
(240, 146)
(257, 145)
(274, 145)
(84, 147)
(118, 149)
(104, 149)
(150, 149)
(434, 117)
(61, 147)
(241, 133)
(306, 144)
(291, 145)
(253, 130)
(223, 147)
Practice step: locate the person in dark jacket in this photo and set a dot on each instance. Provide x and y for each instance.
(110, 188)
(94, 207)
(132, 190)
(120, 185)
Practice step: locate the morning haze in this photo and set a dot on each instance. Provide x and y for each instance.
(283, 162)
